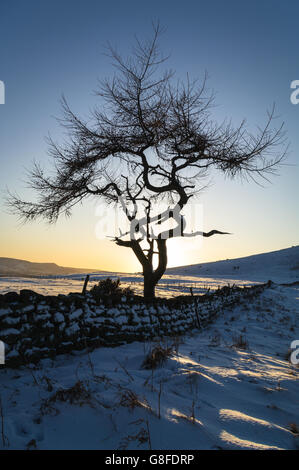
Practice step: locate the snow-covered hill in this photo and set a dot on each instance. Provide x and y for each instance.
(19, 267)
(279, 266)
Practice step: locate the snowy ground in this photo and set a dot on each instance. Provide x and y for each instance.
(230, 386)
(169, 286)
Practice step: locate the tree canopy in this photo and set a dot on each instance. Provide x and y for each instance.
(153, 138)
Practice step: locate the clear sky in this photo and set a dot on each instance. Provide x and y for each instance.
(250, 50)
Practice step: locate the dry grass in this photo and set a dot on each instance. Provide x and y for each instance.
(141, 437)
(294, 429)
(130, 400)
(77, 394)
(157, 357)
(239, 342)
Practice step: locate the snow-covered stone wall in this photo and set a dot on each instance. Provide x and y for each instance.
(33, 326)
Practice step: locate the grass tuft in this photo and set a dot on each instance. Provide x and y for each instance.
(157, 357)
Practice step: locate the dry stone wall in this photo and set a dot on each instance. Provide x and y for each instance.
(34, 326)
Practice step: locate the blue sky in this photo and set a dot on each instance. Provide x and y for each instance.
(250, 51)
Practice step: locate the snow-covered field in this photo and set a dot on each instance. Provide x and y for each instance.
(169, 286)
(229, 386)
(280, 266)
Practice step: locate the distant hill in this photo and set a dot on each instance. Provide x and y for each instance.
(281, 265)
(19, 267)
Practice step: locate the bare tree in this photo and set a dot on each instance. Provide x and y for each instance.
(153, 139)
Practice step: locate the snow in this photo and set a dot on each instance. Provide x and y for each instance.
(228, 386)
(213, 393)
(10, 331)
(76, 314)
(59, 318)
(280, 266)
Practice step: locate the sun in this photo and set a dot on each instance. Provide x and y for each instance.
(179, 252)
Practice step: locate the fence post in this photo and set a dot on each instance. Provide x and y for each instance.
(85, 284)
(196, 306)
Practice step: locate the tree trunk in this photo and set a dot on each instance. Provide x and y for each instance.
(149, 285)
(151, 278)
